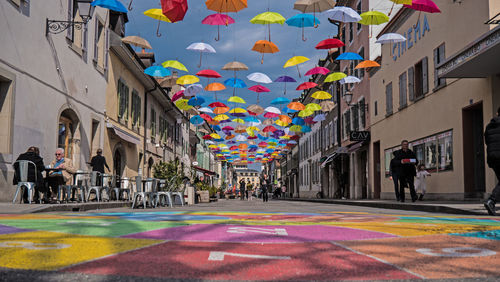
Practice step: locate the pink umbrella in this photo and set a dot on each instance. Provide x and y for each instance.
(218, 20)
(316, 70)
(424, 6)
(271, 115)
(309, 120)
(259, 89)
(177, 95)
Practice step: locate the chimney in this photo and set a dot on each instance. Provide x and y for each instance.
(147, 59)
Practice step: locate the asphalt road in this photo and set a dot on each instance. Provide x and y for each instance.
(248, 240)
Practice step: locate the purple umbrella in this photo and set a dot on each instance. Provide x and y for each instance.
(283, 141)
(238, 114)
(224, 121)
(231, 142)
(285, 79)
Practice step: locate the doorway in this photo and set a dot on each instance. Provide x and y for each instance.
(117, 164)
(473, 142)
(363, 161)
(376, 170)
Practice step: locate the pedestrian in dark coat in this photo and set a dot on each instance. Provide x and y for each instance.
(394, 171)
(492, 140)
(98, 162)
(242, 189)
(266, 184)
(33, 155)
(408, 161)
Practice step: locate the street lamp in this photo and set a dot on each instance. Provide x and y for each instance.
(348, 99)
(85, 9)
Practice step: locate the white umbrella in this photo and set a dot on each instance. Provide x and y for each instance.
(209, 142)
(206, 110)
(241, 138)
(319, 117)
(193, 89)
(259, 77)
(273, 110)
(292, 142)
(350, 79)
(202, 48)
(254, 123)
(390, 38)
(343, 14)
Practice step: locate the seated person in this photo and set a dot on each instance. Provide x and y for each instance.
(33, 155)
(62, 177)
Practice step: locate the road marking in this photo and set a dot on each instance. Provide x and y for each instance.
(32, 245)
(272, 231)
(219, 256)
(458, 252)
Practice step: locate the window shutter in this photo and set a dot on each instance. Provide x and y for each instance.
(402, 90)
(69, 33)
(425, 76)
(105, 51)
(436, 62)
(96, 40)
(362, 109)
(411, 83)
(388, 98)
(119, 92)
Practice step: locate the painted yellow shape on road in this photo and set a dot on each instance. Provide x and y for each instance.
(52, 250)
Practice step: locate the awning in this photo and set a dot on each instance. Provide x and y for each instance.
(329, 159)
(123, 134)
(356, 146)
(478, 59)
(205, 171)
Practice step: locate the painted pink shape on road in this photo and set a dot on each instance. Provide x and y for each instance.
(259, 233)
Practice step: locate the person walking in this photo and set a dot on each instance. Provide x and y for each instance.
(492, 140)
(420, 185)
(394, 171)
(408, 161)
(283, 190)
(98, 162)
(32, 155)
(242, 189)
(265, 186)
(249, 191)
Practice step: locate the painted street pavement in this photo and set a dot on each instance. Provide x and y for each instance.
(253, 246)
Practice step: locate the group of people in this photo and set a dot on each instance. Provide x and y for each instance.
(59, 172)
(248, 189)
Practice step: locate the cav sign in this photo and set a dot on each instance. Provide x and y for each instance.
(359, 136)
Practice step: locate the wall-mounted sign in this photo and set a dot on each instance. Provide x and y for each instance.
(359, 136)
(413, 35)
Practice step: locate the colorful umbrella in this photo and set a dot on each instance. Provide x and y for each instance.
(327, 106)
(305, 113)
(255, 109)
(306, 85)
(217, 104)
(196, 120)
(206, 110)
(235, 82)
(174, 64)
(174, 10)
(285, 79)
(296, 128)
(318, 118)
(373, 18)
(215, 86)
(157, 14)
(329, 44)
(268, 18)
(313, 107)
(113, 5)
(236, 99)
(196, 101)
(177, 95)
(226, 6)
(157, 71)
(182, 104)
(318, 70)
(280, 101)
(218, 20)
(193, 89)
(220, 117)
(187, 79)
(321, 95)
(313, 6)
(202, 48)
(273, 110)
(259, 89)
(297, 106)
(295, 61)
(285, 118)
(137, 41)
(335, 76)
(303, 20)
(367, 64)
(221, 110)
(208, 73)
(343, 14)
(237, 111)
(349, 79)
(424, 6)
(298, 121)
(349, 56)
(206, 117)
(390, 38)
(259, 77)
(264, 46)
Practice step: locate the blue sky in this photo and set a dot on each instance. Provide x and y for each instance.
(235, 44)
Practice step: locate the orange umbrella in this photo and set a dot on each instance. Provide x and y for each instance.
(213, 122)
(264, 46)
(286, 119)
(296, 106)
(243, 146)
(226, 6)
(229, 137)
(367, 64)
(215, 86)
(220, 110)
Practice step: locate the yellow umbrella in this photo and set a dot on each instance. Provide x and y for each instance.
(212, 146)
(174, 64)
(313, 107)
(222, 145)
(187, 79)
(281, 123)
(237, 111)
(215, 136)
(220, 117)
(268, 18)
(335, 76)
(295, 61)
(253, 128)
(238, 120)
(182, 104)
(373, 18)
(305, 113)
(236, 99)
(157, 14)
(321, 95)
(250, 132)
(296, 128)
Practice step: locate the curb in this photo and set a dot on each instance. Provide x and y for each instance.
(396, 206)
(80, 207)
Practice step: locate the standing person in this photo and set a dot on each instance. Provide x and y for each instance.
(64, 175)
(394, 171)
(248, 191)
(283, 190)
(33, 155)
(492, 140)
(408, 160)
(98, 162)
(420, 185)
(242, 189)
(265, 186)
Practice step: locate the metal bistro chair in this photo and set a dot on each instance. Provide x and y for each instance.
(94, 187)
(23, 166)
(178, 192)
(80, 181)
(109, 183)
(164, 195)
(125, 188)
(141, 192)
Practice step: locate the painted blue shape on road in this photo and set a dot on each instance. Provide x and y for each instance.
(491, 234)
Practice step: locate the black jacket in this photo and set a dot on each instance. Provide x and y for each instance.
(492, 140)
(395, 167)
(30, 156)
(405, 169)
(97, 163)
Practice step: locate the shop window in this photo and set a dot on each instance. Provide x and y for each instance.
(402, 91)
(122, 101)
(355, 117)
(347, 124)
(439, 57)
(388, 99)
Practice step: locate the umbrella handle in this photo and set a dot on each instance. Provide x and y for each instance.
(298, 72)
(303, 38)
(199, 65)
(218, 34)
(130, 5)
(262, 60)
(158, 34)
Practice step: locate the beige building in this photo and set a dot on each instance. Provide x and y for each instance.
(249, 175)
(442, 118)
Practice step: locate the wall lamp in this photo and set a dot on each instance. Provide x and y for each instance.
(85, 9)
(348, 100)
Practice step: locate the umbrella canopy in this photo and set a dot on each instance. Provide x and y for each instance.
(182, 104)
(285, 118)
(137, 41)
(343, 14)
(298, 121)
(295, 60)
(196, 101)
(193, 89)
(174, 9)
(217, 104)
(305, 113)
(306, 129)
(227, 128)
(218, 20)
(313, 107)
(297, 106)
(237, 111)
(205, 110)
(259, 77)
(373, 18)
(303, 20)
(208, 73)
(178, 95)
(221, 110)
(215, 86)
(313, 6)
(264, 46)
(350, 79)
(390, 38)
(226, 6)
(318, 118)
(196, 120)
(367, 64)
(114, 5)
(296, 128)
(285, 78)
(329, 44)
(235, 82)
(280, 101)
(335, 76)
(201, 47)
(220, 117)
(236, 99)
(321, 95)
(187, 79)
(318, 70)
(272, 110)
(241, 138)
(259, 89)
(349, 56)
(424, 6)
(157, 71)
(306, 85)
(268, 18)
(174, 64)
(235, 66)
(269, 128)
(327, 106)
(256, 109)
(206, 117)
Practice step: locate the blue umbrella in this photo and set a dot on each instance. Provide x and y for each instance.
(196, 101)
(216, 127)
(280, 100)
(298, 121)
(235, 82)
(303, 20)
(251, 119)
(287, 110)
(349, 56)
(196, 120)
(157, 71)
(262, 137)
(114, 5)
(306, 128)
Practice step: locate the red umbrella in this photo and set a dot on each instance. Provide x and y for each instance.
(306, 85)
(174, 10)
(269, 128)
(309, 120)
(207, 137)
(177, 95)
(208, 73)
(232, 148)
(259, 89)
(252, 137)
(206, 117)
(252, 113)
(294, 137)
(227, 128)
(424, 6)
(218, 20)
(271, 115)
(217, 104)
(316, 70)
(329, 44)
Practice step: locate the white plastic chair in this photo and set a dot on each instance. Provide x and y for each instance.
(23, 166)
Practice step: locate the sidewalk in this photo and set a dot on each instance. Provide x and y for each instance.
(10, 208)
(451, 207)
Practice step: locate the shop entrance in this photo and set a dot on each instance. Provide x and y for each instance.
(376, 170)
